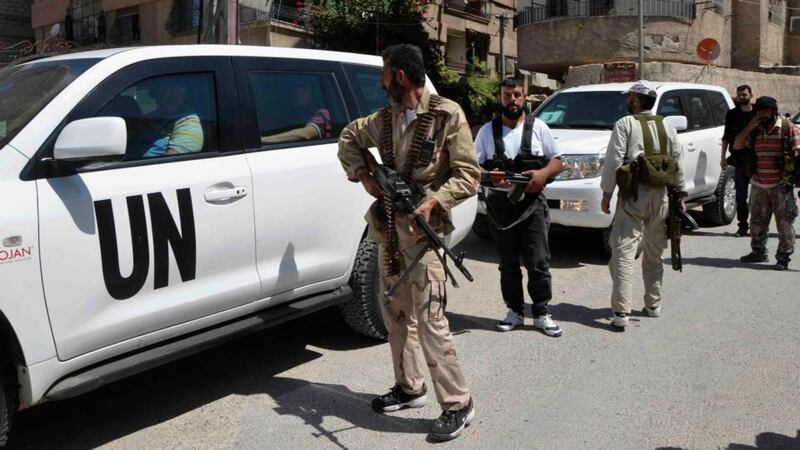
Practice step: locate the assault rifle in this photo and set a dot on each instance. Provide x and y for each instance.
(519, 182)
(406, 197)
(675, 218)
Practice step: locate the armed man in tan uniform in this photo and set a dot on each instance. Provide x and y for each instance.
(637, 140)
(427, 140)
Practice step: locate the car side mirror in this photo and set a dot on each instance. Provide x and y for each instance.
(680, 123)
(90, 139)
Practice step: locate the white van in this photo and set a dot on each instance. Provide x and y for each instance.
(112, 263)
(581, 120)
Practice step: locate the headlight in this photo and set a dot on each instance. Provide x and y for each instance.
(581, 166)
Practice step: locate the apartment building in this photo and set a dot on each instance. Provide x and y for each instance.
(753, 34)
(466, 29)
(15, 28)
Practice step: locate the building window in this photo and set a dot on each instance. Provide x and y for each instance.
(126, 27)
(776, 12)
(84, 21)
(184, 17)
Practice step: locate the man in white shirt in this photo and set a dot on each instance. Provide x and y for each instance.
(639, 214)
(523, 144)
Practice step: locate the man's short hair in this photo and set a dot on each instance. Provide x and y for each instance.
(646, 101)
(408, 58)
(512, 81)
(743, 87)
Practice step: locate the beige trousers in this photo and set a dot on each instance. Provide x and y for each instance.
(635, 220)
(418, 329)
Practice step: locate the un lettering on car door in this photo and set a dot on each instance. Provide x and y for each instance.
(165, 233)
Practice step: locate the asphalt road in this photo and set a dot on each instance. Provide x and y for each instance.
(719, 369)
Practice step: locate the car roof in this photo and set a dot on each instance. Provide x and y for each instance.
(659, 87)
(170, 51)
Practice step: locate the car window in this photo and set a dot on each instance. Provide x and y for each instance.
(589, 110)
(366, 82)
(671, 106)
(25, 89)
(167, 115)
(297, 106)
(719, 107)
(699, 113)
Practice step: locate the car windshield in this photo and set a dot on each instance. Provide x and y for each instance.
(27, 88)
(599, 109)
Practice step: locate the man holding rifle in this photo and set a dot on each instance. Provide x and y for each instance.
(426, 140)
(520, 156)
(643, 159)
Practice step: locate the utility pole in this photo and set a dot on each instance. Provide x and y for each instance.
(641, 40)
(502, 49)
(377, 31)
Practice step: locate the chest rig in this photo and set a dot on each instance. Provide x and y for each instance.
(392, 260)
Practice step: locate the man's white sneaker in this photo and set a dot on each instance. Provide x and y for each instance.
(513, 319)
(546, 324)
(620, 320)
(652, 312)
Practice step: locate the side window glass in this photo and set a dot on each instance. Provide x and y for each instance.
(671, 106)
(167, 115)
(297, 106)
(718, 106)
(366, 82)
(699, 111)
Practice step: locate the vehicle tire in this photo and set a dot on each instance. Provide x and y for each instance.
(8, 397)
(723, 210)
(481, 226)
(363, 312)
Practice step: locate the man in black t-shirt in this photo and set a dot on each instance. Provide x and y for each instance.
(735, 121)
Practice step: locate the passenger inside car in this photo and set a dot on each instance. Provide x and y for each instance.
(177, 129)
(318, 124)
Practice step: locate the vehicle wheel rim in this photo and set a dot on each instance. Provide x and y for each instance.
(729, 202)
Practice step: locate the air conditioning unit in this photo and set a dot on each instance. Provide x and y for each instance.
(794, 24)
(718, 6)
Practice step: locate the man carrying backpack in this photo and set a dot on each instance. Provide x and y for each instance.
(643, 158)
(517, 142)
(776, 142)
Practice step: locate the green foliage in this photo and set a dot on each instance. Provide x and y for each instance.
(352, 25)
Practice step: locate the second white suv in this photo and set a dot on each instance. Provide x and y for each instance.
(581, 120)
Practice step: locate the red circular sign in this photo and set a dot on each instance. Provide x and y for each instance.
(708, 49)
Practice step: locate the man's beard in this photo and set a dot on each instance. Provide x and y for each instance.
(395, 92)
(742, 102)
(512, 115)
(768, 121)
(631, 109)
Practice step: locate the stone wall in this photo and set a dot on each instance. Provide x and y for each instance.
(785, 88)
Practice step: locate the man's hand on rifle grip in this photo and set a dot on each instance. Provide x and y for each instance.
(499, 179)
(538, 180)
(424, 209)
(370, 185)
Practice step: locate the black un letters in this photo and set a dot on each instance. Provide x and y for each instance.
(165, 235)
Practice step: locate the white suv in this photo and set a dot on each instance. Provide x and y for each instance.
(581, 119)
(113, 261)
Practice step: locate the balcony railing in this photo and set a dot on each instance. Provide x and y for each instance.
(560, 9)
(288, 14)
(475, 8)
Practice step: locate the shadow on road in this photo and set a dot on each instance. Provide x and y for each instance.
(312, 402)
(568, 249)
(770, 441)
(726, 263)
(246, 366)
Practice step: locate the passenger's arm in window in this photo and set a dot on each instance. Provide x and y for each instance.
(318, 127)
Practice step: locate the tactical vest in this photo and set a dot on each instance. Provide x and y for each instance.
(654, 170)
(788, 164)
(500, 146)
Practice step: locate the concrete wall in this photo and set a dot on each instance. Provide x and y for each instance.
(785, 88)
(791, 52)
(554, 45)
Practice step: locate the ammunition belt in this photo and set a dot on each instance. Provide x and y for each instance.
(392, 260)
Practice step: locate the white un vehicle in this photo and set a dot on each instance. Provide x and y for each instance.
(119, 253)
(581, 119)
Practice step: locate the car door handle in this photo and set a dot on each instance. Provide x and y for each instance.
(223, 195)
(690, 146)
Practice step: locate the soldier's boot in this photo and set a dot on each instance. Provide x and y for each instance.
(783, 262)
(754, 257)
